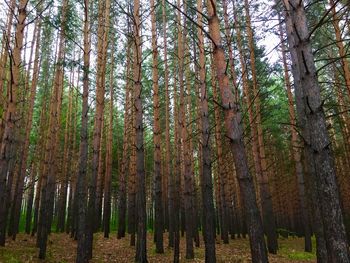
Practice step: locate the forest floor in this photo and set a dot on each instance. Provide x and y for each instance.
(62, 249)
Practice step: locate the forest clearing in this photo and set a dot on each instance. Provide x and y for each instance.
(175, 131)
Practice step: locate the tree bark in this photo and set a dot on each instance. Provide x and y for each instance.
(159, 225)
(266, 201)
(295, 151)
(141, 249)
(8, 141)
(51, 147)
(234, 133)
(102, 42)
(315, 135)
(80, 199)
(126, 149)
(109, 157)
(207, 184)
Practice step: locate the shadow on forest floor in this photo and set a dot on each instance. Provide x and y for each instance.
(62, 249)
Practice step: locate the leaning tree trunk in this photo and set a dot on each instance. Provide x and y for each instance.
(234, 133)
(296, 152)
(321, 249)
(314, 131)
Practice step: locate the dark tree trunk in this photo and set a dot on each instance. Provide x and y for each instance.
(103, 18)
(314, 130)
(158, 217)
(207, 184)
(126, 149)
(234, 133)
(109, 159)
(141, 249)
(80, 198)
(8, 140)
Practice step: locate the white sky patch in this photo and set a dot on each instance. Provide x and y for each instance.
(262, 28)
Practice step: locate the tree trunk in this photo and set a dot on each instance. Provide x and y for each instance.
(159, 228)
(25, 150)
(100, 178)
(168, 162)
(126, 149)
(222, 179)
(207, 184)
(266, 201)
(315, 134)
(132, 212)
(3, 62)
(340, 46)
(234, 133)
(62, 198)
(109, 157)
(103, 24)
(141, 249)
(80, 199)
(295, 151)
(30, 199)
(8, 140)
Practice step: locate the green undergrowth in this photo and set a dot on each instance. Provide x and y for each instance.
(293, 250)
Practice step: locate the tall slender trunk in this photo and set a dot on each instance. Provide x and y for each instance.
(100, 178)
(80, 199)
(340, 46)
(40, 154)
(30, 199)
(109, 156)
(168, 163)
(159, 225)
(175, 178)
(321, 249)
(248, 102)
(141, 249)
(62, 197)
(51, 147)
(228, 37)
(102, 42)
(222, 180)
(234, 133)
(207, 184)
(6, 39)
(132, 212)
(8, 139)
(266, 201)
(295, 150)
(185, 98)
(126, 149)
(24, 152)
(314, 131)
